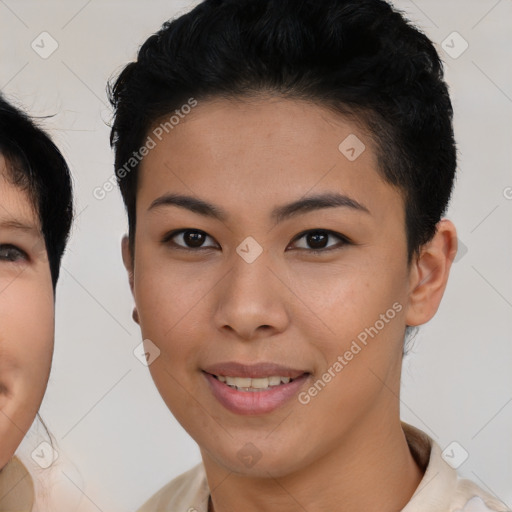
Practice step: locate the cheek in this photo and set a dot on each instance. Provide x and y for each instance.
(170, 311)
(26, 347)
(26, 338)
(362, 312)
(346, 299)
(168, 300)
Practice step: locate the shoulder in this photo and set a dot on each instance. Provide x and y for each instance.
(188, 491)
(469, 497)
(16, 487)
(442, 489)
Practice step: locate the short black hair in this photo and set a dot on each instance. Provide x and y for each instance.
(360, 58)
(36, 165)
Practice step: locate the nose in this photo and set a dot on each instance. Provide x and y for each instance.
(251, 302)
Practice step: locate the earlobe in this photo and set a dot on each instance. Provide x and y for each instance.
(429, 274)
(127, 259)
(128, 264)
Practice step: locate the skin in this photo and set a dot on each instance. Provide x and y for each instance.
(26, 315)
(291, 307)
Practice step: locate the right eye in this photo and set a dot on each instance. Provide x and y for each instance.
(11, 253)
(192, 239)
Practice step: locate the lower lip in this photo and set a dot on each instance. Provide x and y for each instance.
(254, 402)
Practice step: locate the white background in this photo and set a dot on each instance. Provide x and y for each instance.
(101, 405)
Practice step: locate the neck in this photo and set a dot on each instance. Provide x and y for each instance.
(372, 469)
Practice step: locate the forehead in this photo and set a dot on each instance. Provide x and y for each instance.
(272, 148)
(259, 123)
(16, 206)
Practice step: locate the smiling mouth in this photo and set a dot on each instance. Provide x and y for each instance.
(250, 389)
(253, 384)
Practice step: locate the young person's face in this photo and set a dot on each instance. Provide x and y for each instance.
(219, 307)
(26, 315)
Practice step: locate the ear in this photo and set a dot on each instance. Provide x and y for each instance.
(429, 274)
(128, 264)
(127, 259)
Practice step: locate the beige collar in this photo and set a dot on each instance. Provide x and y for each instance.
(16, 488)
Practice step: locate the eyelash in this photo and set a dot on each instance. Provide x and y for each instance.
(344, 240)
(6, 249)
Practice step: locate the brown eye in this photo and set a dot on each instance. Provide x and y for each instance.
(188, 239)
(318, 240)
(194, 238)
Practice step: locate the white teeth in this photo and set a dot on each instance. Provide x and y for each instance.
(239, 382)
(248, 384)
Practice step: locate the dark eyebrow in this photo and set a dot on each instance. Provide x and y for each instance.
(20, 226)
(191, 203)
(317, 202)
(279, 214)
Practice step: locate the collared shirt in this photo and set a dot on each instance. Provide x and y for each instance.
(440, 490)
(25, 486)
(16, 488)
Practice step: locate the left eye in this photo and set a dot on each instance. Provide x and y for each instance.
(318, 240)
(190, 239)
(11, 253)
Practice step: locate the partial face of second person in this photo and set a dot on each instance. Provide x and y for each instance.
(208, 309)
(26, 315)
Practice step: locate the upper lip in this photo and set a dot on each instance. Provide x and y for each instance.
(253, 371)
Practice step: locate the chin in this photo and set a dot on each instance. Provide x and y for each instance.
(253, 462)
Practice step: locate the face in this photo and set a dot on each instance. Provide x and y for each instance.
(270, 276)
(26, 315)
